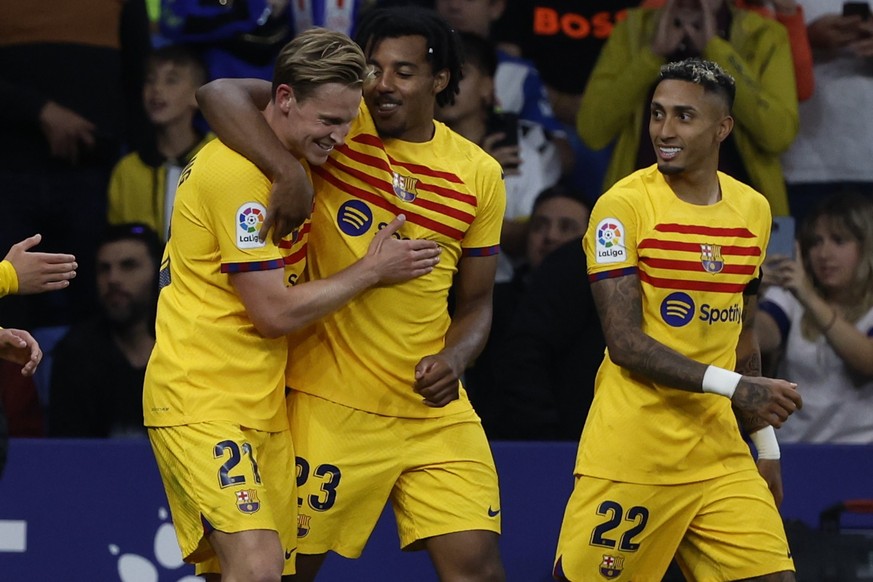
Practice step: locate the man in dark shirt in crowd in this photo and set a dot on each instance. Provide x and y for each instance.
(99, 366)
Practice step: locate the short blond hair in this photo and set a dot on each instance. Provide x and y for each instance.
(316, 57)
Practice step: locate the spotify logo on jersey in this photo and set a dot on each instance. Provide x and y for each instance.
(354, 218)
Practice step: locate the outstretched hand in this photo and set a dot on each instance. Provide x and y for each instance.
(770, 401)
(18, 346)
(396, 260)
(40, 272)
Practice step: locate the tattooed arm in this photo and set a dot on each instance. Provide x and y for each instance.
(619, 305)
(749, 361)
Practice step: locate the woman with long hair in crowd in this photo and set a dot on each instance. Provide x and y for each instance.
(817, 318)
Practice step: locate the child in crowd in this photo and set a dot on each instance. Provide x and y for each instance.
(143, 183)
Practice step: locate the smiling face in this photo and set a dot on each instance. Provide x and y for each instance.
(687, 125)
(311, 128)
(401, 95)
(833, 256)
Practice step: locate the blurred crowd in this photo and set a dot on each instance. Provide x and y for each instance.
(99, 118)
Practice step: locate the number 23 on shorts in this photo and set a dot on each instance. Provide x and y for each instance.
(329, 476)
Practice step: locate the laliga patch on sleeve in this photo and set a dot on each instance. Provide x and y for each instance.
(250, 219)
(609, 244)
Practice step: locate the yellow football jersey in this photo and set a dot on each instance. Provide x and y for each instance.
(364, 355)
(694, 262)
(209, 362)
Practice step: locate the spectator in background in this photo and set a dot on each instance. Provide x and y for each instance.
(517, 85)
(550, 353)
(834, 147)
(70, 87)
(554, 34)
(98, 367)
(789, 14)
(529, 160)
(753, 49)
(143, 184)
(558, 216)
(236, 39)
(242, 38)
(820, 318)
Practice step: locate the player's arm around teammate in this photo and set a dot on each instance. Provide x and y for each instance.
(619, 305)
(276, 309)
(291, 189)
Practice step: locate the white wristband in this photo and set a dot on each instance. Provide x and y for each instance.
(766, 443)
(720, 381)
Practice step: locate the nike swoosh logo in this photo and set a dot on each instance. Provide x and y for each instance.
(493, 512)
(289, 553)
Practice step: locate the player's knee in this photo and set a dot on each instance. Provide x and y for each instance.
(266, 573)
(481, 566)
(254, 569)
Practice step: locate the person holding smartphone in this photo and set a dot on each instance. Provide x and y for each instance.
(834, 144)
(819, 319)
(529, 159)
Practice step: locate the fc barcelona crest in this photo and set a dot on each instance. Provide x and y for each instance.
(611, 566)
(302, 525)
(404, 187)
(710, 257)
(247, 500)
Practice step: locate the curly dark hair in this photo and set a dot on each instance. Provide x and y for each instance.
(444, 49)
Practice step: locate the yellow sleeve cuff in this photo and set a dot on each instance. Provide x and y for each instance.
(8, 279)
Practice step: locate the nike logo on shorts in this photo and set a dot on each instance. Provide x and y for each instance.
(289, 553)
(493, 512)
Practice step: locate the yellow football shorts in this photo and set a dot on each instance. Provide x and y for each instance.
(727, 528)
(220, 476)
(438, 473)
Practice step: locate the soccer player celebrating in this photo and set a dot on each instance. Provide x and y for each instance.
(674, 258)
(214, 395)
(377, 410)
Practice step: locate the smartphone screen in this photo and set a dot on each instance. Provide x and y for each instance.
(861, 9)
(781, 237)
(507, 124)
